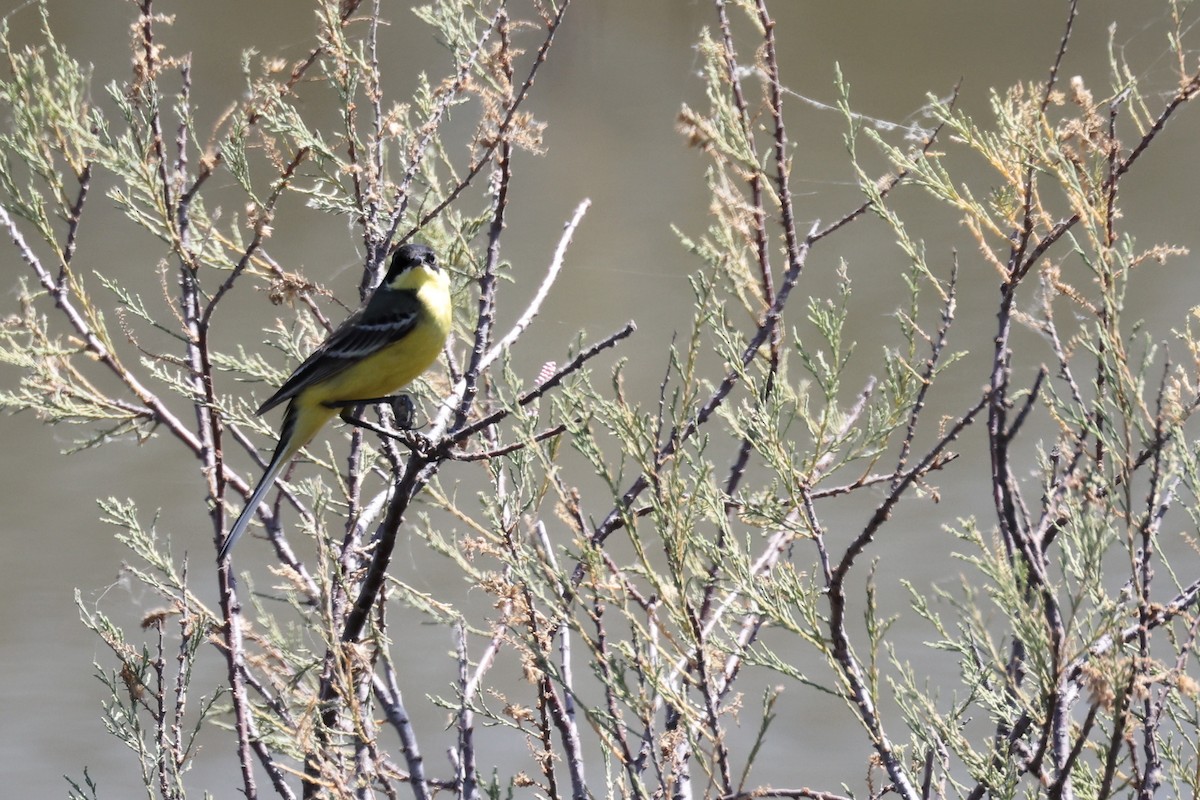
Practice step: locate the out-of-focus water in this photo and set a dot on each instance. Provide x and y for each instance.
(611, 92)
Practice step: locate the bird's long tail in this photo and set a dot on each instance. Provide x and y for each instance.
(289, 444)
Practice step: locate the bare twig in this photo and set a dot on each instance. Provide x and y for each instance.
(387, 691)
(569, 726)
(502, 129)
(466, 784)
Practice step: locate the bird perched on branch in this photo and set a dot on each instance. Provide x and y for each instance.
(379, 349)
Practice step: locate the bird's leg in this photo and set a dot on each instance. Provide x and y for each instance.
(347, 416)
(401, 404)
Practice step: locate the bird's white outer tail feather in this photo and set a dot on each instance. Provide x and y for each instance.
(260, 491)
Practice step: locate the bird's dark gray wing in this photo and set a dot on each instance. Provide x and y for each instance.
(385, 320)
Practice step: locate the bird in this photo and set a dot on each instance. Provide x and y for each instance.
(380, 348)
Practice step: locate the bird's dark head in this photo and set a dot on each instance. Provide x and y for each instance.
(413, 266)
(408, 257)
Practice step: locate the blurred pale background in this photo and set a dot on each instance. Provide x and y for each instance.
(610, 93)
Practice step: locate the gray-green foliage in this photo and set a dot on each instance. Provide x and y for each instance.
(658, 570)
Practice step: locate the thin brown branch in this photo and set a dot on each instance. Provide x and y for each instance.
(616, 517)
(510, 114)
(851, 669)
(93, 343)
(425, 138)
(488, 455)
(577, 363)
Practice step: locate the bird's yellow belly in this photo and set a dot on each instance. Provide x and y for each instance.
(381, 374)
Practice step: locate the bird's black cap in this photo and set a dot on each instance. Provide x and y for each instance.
(409, 256)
